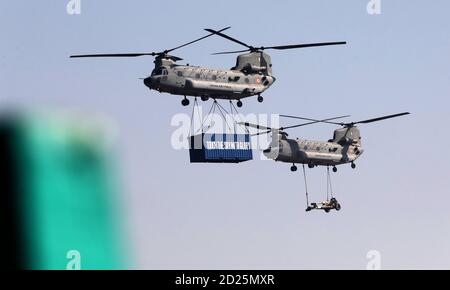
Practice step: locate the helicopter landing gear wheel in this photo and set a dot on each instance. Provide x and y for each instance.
(310, 165)
(293, 168)
(185, 102)
(239, 103)
(353, 165)
(260, 98)
(334, 169)
(204, 98)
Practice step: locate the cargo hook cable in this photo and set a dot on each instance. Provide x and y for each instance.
(203, 120)
(198, 113)
(329, 187)
(232, 116)
(239, 116)
(306, 185)
(192, 126)
(223, 112)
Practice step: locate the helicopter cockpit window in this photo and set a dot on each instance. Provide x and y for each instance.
(156, 72)
(159, 71)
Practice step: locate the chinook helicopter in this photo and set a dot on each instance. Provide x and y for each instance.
(251, 75)
(345, 147)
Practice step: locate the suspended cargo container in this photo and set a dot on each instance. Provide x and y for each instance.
(220, 148)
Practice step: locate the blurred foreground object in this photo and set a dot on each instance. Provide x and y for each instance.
(58, 208)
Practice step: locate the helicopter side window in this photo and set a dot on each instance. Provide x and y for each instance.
(180, 73)
(197, 75)
(233, 79)
(214, 77)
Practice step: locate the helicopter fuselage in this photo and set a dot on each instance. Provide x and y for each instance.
(208, 83)
(313, 153)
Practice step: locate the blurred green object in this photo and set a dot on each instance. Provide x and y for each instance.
(70, 217)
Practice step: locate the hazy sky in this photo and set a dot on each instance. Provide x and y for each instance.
(252, 215)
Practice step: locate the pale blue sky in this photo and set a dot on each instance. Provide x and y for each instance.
(252, 215)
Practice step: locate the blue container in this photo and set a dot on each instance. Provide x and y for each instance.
(220, 148)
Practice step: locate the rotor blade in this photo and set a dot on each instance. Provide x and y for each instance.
(281, 47)
(201, 38)
(230, 52)
(228, 37)
(259, 127)
(316, 121)
(269, 129)
(262, 133)
(381, 118)
(151, 53)
(113, 55)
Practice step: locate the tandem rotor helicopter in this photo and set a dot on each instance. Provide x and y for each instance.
(345, 147)
(251, 76)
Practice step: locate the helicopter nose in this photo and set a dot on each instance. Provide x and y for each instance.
(148, 82)
(268, 81)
